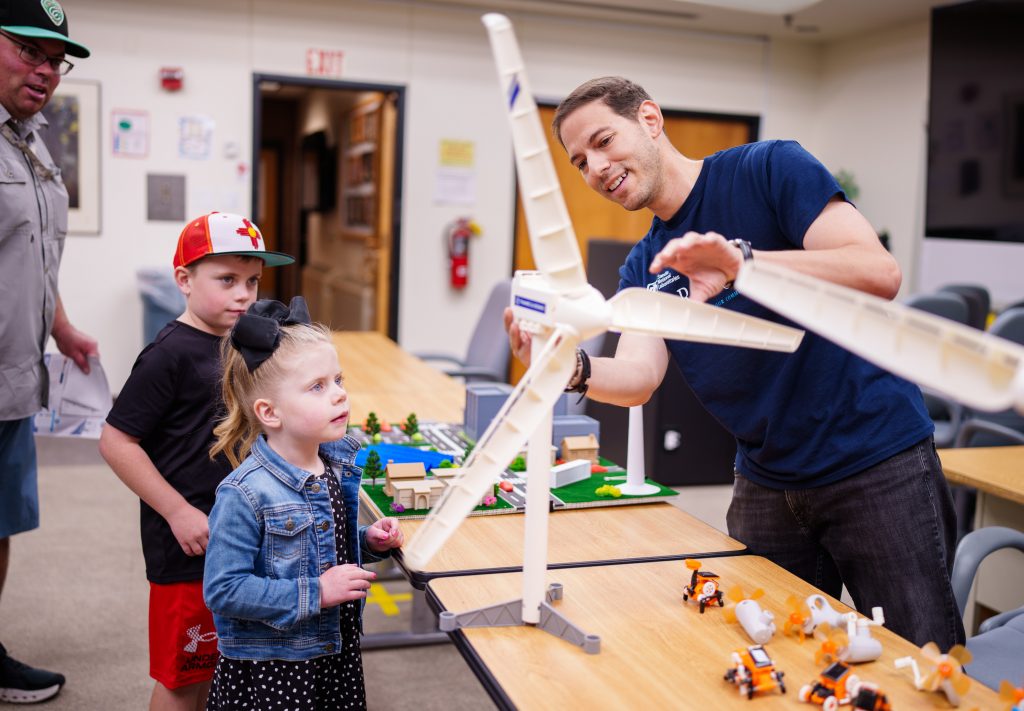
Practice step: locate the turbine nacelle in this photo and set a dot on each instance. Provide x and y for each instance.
(536, 302)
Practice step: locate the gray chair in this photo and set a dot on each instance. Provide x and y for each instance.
(978, 302)
(488, 354)
(999, 645)
(945, 413)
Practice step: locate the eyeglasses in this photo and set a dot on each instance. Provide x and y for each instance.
(36, 57)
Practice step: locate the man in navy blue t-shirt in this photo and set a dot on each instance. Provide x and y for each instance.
(837, 479)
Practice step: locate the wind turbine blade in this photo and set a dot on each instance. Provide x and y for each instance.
(552, 238)
(970, 366)
(516, 421)
(638, 310)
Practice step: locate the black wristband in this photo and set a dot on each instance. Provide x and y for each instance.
(744, 247)
(581, 385)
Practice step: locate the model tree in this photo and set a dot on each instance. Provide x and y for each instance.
(411, 426)
(372, 424)
(372, 468)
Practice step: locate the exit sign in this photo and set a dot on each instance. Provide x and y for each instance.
(323, 62)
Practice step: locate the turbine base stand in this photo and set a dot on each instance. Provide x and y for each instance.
(510, 614)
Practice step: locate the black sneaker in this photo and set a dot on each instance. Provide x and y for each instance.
(21, 684)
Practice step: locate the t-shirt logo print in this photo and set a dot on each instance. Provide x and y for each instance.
(54, 11)
(251, 232)
(195, 638)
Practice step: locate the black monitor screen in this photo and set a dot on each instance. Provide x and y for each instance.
(976, 122)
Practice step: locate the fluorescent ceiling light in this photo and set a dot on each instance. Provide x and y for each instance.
(763, 7)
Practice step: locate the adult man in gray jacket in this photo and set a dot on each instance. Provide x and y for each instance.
(33, 223)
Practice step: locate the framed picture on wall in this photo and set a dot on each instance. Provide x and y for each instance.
(73, 139)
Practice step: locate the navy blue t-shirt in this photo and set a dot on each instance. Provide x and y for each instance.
(800, 419)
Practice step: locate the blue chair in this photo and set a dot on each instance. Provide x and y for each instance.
(999, 645)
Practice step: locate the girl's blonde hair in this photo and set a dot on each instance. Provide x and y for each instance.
(238, 429)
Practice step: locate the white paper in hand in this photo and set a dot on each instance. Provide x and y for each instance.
(79, 403)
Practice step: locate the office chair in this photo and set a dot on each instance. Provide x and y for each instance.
(488, 354)
(989, 429)
(978, 302)
(999, 644)
(946, 414)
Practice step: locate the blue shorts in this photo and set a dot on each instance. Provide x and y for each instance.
(19, 493)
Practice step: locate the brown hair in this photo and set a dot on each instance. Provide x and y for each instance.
(238, 429)
(246, 258)
(618, 93)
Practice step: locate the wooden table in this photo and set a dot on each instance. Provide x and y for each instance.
(657, 652)
(998, 475)
(576, 537)
(994, 470)
(383, 378)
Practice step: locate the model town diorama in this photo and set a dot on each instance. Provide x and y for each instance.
(407, 467)
(559, 309)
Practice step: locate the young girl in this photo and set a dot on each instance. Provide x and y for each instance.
(283, 575)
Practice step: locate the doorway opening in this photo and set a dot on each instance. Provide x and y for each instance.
(327, 167)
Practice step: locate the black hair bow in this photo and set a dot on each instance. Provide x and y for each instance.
(257, 333)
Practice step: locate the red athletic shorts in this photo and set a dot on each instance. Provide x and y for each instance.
(182, 638)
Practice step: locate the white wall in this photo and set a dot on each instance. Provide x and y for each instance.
(871, 121)
(823, 97)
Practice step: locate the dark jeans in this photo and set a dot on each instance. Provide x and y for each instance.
(888, 533)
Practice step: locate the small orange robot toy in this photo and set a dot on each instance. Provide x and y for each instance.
(836, 685)
(870, 698)
(753, 672)
(703, 586)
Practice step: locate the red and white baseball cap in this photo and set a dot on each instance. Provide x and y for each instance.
(224, 233)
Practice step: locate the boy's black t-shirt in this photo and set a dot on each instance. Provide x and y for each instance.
(171, 403)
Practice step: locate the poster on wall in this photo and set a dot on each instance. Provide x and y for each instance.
(195, 137)
(73, 139)
(130, 133)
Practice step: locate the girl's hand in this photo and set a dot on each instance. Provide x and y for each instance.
(343, 583)
(384, 535)
(707, 259)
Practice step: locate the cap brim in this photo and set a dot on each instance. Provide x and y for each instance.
(271, 259)
(75, 49)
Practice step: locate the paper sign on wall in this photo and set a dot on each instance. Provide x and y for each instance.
(195, 137)
(130, 131)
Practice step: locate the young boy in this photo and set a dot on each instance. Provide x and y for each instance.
(158, 438)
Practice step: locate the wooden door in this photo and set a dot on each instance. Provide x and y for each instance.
(596, 217)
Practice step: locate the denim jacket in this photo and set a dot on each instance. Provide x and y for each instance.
(271, 536)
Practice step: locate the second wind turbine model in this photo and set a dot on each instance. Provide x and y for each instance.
(560, 309)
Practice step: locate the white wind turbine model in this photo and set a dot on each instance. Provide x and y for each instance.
(982, 371)
(560, 309)
(636, 484)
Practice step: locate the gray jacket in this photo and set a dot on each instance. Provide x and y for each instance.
(33, 225)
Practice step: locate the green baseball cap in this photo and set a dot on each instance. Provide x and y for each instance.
(44, 19)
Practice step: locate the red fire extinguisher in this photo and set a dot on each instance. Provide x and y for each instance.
(458, 250)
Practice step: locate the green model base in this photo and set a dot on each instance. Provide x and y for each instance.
(383, 504)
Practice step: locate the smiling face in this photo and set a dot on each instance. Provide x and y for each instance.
(218, 290)
(24, 89)
(617, 157)
(309, 403)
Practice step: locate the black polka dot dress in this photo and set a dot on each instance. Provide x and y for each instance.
(329, 682)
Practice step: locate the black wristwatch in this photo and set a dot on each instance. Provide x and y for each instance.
(744, 247)
(583, 367)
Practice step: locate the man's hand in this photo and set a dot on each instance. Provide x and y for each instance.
(75, 345)
(191, 529)
(384, 535)
(707, 259)
(518, 339)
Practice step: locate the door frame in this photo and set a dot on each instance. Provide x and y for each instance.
(396, 190)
